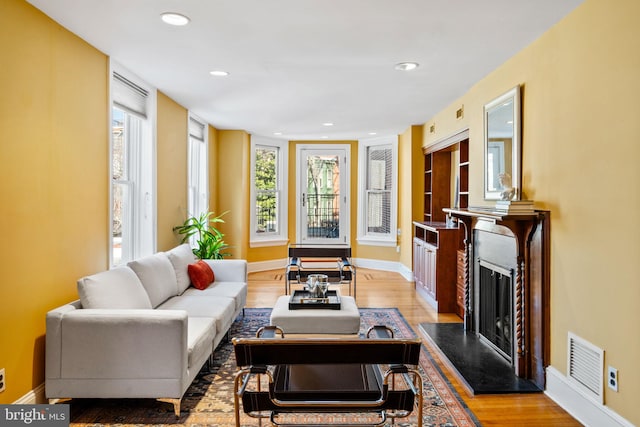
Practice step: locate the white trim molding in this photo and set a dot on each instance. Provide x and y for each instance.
(33, 397)
(581, 406)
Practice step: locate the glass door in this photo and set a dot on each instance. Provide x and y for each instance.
(323, 187)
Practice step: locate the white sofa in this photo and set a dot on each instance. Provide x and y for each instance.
(141, 331)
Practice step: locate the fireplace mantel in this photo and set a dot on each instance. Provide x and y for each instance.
(531, 286)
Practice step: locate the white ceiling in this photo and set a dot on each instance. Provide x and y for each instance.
(296, 64)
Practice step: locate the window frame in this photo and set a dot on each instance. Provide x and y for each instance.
(200, 206)
(144, 210)
(282, 171)
(364, 237)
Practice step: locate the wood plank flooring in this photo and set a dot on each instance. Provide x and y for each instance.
(386, 289)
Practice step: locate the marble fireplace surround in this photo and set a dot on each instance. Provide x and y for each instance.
(519, 242)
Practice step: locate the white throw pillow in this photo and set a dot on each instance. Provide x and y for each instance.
(180, 257)
(117, 288)
(157, 276)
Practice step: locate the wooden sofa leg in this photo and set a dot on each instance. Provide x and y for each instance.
(210, 363)
(174, 402)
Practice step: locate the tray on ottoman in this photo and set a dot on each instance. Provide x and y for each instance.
(305, 299)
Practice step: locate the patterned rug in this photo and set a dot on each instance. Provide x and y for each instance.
(209, 400)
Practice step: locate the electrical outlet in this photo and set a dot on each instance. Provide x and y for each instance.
(612, 378)
(3, 380)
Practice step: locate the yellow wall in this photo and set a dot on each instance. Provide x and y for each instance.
(580, 161)
(213, 165)
(171, 171)
(232, 169)
(53, 163)
(409, 146)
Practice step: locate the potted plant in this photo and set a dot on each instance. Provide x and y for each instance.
(208, 239)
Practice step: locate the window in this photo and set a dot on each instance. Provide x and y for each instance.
(268, 192)
(198, 188)
(377, 191)
(132, 169)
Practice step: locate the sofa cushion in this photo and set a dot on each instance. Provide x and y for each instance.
(221, 309)
(180, 257)
(200, 334)
(201, 275)
(235, 290)
(157, 276)
(116, 288)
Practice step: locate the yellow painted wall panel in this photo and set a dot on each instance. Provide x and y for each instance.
(233, 189)
(53, 180)
(172, 145)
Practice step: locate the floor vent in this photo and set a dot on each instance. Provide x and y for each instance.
(586, 366)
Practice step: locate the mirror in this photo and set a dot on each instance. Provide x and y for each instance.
(502, 147)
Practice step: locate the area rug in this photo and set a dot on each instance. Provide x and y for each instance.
(209, 400)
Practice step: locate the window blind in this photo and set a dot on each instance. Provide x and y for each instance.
(196, 129)
(129, 96)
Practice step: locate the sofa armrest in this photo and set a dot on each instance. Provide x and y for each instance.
(110, 343)
(229, 270)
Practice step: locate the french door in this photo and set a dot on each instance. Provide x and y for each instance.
(322, 176)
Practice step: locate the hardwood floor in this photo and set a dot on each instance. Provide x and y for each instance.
(386, 289)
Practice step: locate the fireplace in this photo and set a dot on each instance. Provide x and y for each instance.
(506, 294)
(495, 307)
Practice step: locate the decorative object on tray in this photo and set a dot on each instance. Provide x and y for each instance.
(317, 285)
(514, 206)
(305, 299)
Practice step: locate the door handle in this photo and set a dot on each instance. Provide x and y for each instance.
(303, 197)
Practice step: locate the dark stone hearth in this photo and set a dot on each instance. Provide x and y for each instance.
(481, 369)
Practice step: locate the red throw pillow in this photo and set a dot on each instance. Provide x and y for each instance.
(201, 275)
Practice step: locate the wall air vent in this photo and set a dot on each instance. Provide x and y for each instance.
(585, 367)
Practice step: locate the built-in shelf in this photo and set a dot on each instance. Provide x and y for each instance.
(435, 245)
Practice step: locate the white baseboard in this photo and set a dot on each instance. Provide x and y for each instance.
(373, 264)
(580, 406)
(33, 397)
(267, 265)
(376, 264)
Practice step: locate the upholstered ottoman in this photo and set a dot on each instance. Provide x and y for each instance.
(317, 321)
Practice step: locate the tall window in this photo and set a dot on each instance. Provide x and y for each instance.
(268, 191)
(132, 167)
(198, 194)
(377, 195)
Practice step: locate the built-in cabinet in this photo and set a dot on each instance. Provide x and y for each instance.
(436, 245)
(434, 251)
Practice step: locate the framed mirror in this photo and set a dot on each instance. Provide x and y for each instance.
(502, 147)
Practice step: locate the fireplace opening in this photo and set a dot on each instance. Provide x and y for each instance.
(496, 308)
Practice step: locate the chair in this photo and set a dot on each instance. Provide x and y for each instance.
(375, 375)
(334, 261)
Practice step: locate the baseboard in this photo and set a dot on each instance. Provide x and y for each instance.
(376, 264)
(580, 406)
(33, 397)
(373, 264)
(267, 265)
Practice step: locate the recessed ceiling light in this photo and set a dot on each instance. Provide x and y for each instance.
(373, 133)
(327, 124)
(173, 18)
(277, 133)
(406, 66)
(324, 137)
(219, 73)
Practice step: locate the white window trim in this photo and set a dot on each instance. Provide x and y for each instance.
(363, 237)
(152, 129)
(280, 238)
(192, 116)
